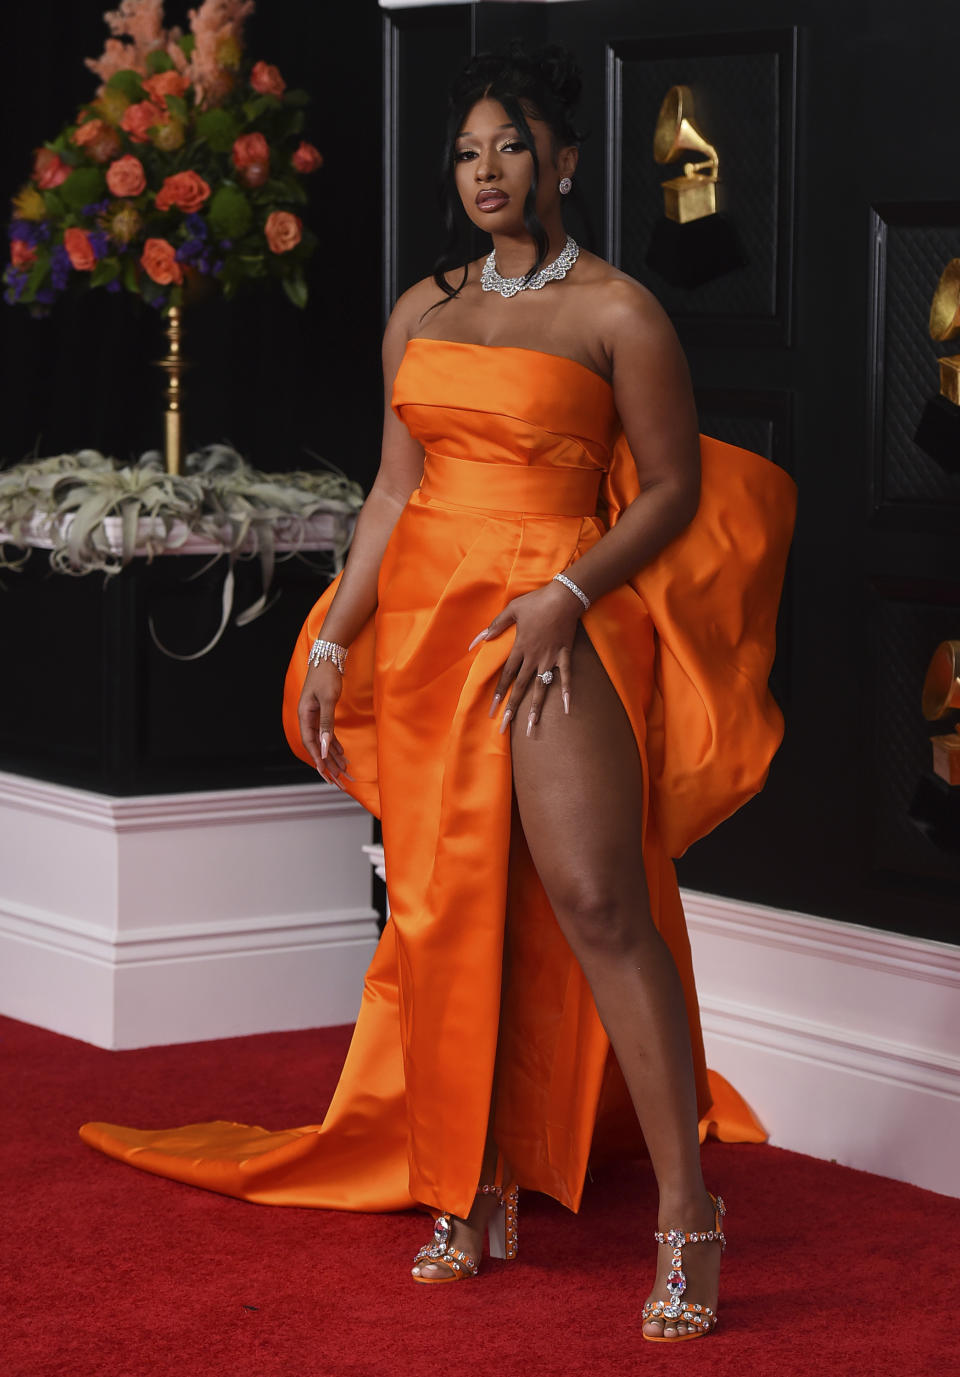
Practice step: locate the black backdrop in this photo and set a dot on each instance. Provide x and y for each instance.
(835, 125)
(274, 381)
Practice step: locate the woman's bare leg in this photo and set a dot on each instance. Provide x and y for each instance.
(579, 790)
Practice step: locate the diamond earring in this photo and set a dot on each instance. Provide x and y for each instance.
(566, 185)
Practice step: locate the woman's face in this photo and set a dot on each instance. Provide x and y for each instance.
(493, 168)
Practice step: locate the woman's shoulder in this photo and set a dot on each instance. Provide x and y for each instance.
(417, 300)
(618, 297)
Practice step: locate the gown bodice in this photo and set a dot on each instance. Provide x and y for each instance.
(504, 405)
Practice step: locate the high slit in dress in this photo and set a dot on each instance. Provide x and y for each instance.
(473, 985)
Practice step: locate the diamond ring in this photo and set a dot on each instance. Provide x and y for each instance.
(546, 678)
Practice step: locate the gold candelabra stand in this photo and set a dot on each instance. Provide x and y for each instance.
(174, 365)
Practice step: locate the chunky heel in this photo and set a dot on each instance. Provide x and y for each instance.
(502, 1228)
(501, 1237)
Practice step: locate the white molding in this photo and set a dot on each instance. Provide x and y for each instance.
(151, 812)
(842, 1038)
(787, 930)
(180, 917)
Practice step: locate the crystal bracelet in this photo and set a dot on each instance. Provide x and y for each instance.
(569, 583)
(327, 650)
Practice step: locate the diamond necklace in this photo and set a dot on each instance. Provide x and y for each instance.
(491, 281)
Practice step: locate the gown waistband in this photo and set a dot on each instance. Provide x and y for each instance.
(537, 491)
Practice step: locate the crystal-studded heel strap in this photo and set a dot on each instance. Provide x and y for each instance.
(675, 1309)
(461, 1265)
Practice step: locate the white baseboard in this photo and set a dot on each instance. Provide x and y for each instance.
(130, 922)
(842, 1038)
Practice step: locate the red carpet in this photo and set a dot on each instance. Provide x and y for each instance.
(108, 1272)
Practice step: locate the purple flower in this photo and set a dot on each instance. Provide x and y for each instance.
(196, 226)
(16, 280)
(226, 244)
(59, 268)
(217, 267)
(44, 295)
(95, 208)
(113, 286)
(99, 242)
(25, 230)
(188, 251)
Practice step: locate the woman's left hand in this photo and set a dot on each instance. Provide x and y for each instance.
(546, 622)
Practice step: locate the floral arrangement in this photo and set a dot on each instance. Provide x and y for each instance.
(186, 167)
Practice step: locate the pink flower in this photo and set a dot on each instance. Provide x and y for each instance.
(250, 149)
(139, 119)
(165, 84)
(77, 244)
(49, 170)
(101, 142)
(217, 27)
(22, 254)
(185, 190)
(307, 158)
(266, 80)
(126, 177)
(159, 260)
(283, 230)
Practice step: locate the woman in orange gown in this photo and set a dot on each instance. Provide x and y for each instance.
(537, 749)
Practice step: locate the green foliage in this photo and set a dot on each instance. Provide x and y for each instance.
(219, 128)
(83, 187)
(159, 61)
(230, 214)
(107, 270)
(187, 44)
(177, 107)
(128, 83)
(295, 286)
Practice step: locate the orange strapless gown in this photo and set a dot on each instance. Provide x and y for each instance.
(525, 468)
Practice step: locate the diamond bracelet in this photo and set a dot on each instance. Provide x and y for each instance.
(569, 583)
(327, 650)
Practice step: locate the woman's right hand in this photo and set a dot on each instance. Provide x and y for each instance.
(318, 701)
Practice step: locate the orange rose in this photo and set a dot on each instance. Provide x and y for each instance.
(249, 149)
(283, 230)
(22, 254)
(139, 119)
(307, 158)
(48, 169)
(126, 177)
(77, 244)
(266, 80)
(185, 190)
(101, 142)
(159, 260)
(165, 84)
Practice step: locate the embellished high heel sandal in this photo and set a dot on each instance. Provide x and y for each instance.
(676, 1310)
(501, 1235)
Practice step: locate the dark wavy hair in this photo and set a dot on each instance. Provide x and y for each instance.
(542, 85)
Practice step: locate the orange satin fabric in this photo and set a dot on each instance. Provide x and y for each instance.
(525, 469)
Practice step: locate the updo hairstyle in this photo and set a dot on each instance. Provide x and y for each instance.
(542, 85)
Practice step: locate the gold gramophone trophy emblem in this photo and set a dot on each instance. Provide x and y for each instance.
(945, 324)
(694, 195)
(938, 430)
(941, 695)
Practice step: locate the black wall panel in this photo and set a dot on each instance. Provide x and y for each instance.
(815, 352)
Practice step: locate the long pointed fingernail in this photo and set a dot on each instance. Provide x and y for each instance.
(495, 704)
(481, 637)
(324, 743)
(506, 720)
(531, 723)
(566, 702)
